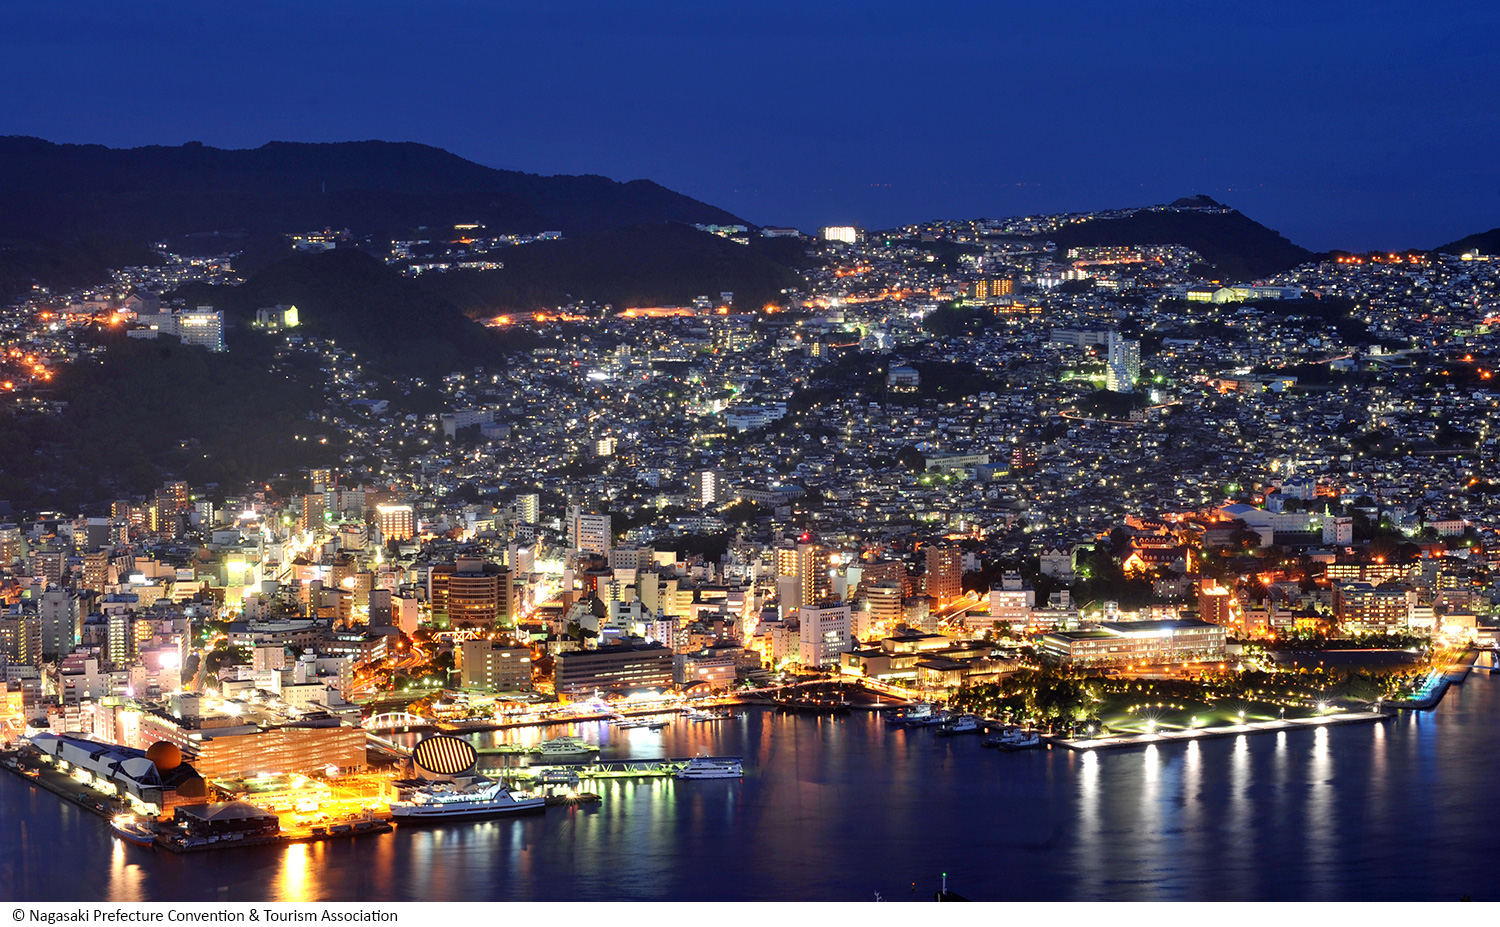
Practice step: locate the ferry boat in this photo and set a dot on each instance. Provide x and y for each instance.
(131, 829)
(563, 750)
(448, 801)
(708, 767)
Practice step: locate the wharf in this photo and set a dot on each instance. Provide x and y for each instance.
(1451, 675)
(663, 768)
(478, 727)
(105, 807)
(356, 829)
(1122, 741)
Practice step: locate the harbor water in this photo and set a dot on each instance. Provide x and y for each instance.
(845, 808)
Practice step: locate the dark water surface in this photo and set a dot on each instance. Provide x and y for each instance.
(838, 809)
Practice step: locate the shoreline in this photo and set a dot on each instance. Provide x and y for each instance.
(1454, 674)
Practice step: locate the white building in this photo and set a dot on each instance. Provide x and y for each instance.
(825, 633)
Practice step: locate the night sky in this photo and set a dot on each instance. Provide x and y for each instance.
(1357, 125)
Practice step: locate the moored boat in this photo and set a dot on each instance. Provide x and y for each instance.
(963, 724)
(450, 801)
(563, 750)
(133, 830)
(709, 767)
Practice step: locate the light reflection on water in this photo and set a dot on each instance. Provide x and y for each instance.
(1283, 816)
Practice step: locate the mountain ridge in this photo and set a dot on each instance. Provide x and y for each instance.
(50, 190)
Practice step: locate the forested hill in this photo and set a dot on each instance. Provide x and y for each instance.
(156, 192)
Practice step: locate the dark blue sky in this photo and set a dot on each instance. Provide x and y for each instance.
(1341, 124)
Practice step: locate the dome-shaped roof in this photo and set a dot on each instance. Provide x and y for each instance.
(167, 756)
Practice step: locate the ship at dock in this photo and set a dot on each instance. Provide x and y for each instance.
(463, 801)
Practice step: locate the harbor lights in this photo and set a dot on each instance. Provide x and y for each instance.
(1242, 716)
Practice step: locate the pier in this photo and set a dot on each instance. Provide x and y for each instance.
(661, 768)
(1115, 742)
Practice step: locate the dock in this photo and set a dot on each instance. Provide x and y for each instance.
(662, 768)
(105, 807)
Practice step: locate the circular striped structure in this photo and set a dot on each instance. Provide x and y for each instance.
(443, 755)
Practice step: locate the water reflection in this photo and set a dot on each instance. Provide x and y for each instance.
(125, 877)
(1320, 826)
(1292, 815)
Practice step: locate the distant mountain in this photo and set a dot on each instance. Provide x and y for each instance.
(1238, 248)
(156, 192)
(655, 265)
(387, 320)
(1483, 242)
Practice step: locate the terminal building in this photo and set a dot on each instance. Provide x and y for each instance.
(156, 780)
(1117, 643)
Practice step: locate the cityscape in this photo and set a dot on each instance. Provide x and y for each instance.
(381, 526)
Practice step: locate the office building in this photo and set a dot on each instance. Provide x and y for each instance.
(494, 666)
(618, 668)
(824, 633)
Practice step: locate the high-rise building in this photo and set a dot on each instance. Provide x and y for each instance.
(311, 518)
(884, 601)
(470, 594)
(707, 487)
(21, 639)
(176, 496)
(12, 544)
(803, 578)
(397, 522)
(589, 532)
(96, 570)
(824, 633)
(61, 622)
(528, 508)
(320, 479)
(1124, 364)
(944, 572)
(121, 638)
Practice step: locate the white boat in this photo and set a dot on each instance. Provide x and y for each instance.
(1024, 741)
(133, 830)
(563, 750)
(448, 801)
(963, 724)
(708, 767)
(919, 713)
